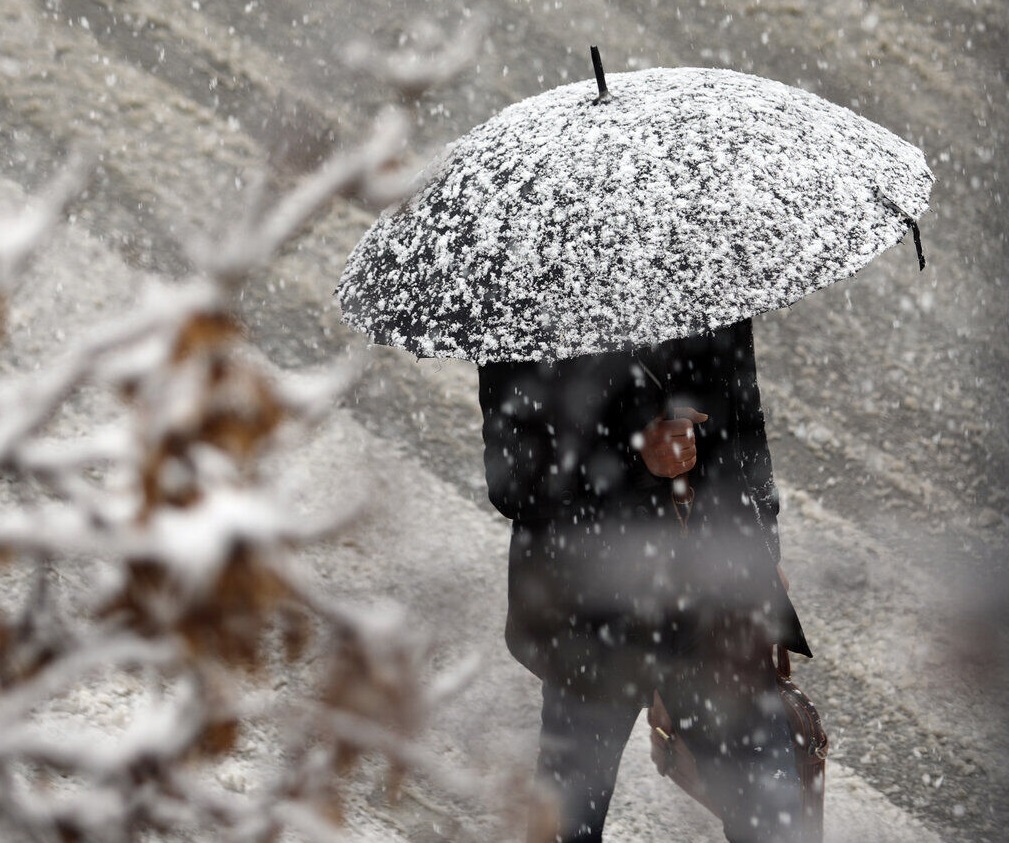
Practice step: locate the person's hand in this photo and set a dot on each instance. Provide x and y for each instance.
(667, 445)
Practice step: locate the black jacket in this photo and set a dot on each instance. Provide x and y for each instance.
(599, 567)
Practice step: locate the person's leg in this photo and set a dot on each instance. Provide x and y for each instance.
(581, 743)
(725, 704)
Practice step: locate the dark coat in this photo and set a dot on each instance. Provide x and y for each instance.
(602, 580)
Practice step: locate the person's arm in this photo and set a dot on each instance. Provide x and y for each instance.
(519, 439)
(558, 437)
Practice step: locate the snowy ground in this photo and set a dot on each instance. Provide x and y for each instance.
(884, 396)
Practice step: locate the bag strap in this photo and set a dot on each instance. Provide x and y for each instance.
(784, 663)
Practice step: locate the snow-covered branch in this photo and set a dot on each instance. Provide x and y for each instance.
(433, 61)
(178, 551)
(21, 236)
(362, 173)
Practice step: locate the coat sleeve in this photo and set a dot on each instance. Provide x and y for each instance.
(548, 448)
(755, 455)
(515, 450)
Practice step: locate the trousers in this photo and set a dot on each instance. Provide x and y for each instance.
(721, 692)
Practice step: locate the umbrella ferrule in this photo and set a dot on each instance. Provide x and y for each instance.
(597, 66)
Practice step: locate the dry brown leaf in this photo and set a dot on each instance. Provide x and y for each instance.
(205, 331)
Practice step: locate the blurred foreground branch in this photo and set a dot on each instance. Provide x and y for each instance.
(199, 597)
(433, 61)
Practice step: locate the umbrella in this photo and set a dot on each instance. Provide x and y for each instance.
(668, 203)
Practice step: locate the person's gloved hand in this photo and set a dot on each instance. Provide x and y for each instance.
(667, 446)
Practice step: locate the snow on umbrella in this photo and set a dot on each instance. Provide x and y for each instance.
(580, 221)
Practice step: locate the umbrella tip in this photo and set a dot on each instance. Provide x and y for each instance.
(597, 66)
(916, 233)
(910, 222)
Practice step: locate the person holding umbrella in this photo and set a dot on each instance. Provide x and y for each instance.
(621, 583)
(599, 256)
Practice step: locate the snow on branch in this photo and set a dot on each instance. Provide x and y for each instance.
(198, 588)
(184, 550)
(362, 173)
(433, 61)
(21, 236)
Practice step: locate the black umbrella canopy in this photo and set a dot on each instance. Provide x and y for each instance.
(687, 200)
